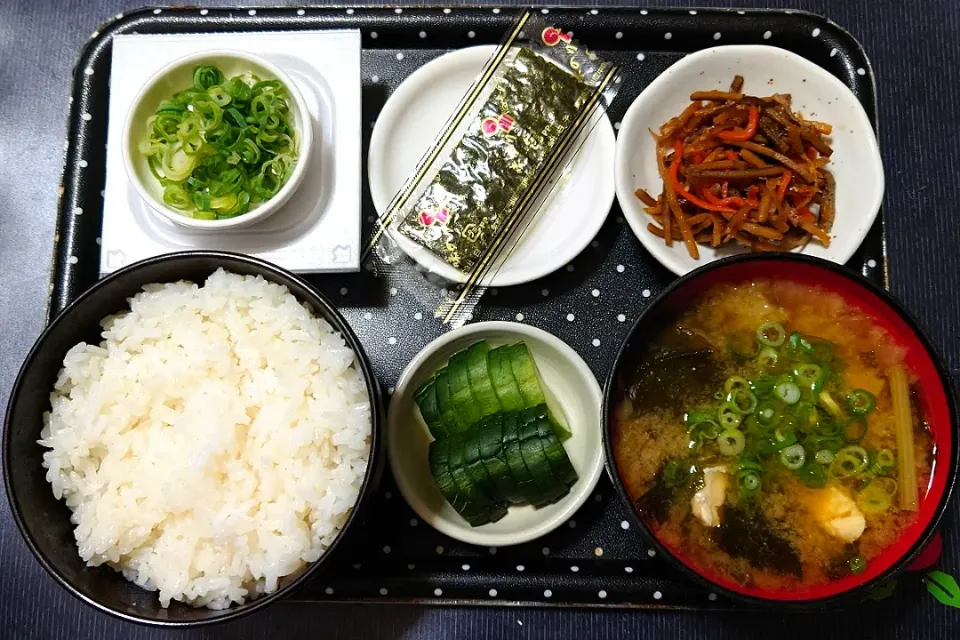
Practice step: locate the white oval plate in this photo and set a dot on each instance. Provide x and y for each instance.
(817, 94)
(573, 389)
(413, 117)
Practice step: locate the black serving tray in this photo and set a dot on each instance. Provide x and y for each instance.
(594, 559)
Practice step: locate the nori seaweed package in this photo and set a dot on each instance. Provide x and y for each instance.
(478, 187)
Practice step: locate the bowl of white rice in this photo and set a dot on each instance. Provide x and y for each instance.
(191, 438)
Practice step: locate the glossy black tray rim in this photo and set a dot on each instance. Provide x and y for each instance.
(73, 270)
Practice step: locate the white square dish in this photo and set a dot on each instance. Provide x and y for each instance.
(318, 229)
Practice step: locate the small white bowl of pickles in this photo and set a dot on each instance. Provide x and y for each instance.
(493, 433)
(217, 139)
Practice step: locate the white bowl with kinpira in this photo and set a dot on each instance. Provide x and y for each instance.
(493, 433)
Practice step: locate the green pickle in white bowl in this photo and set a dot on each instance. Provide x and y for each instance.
(494, 433)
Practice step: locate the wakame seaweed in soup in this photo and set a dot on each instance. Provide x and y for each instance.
(504, 148)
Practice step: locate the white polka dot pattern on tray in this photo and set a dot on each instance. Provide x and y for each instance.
(328, 591)
(602, 594)
(767, 35)
(657, 595)
(493, 593)
(571, 317)
(547, 593)
(383, 591)
(438, 592)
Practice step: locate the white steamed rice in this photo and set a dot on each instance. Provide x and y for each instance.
(215, 441)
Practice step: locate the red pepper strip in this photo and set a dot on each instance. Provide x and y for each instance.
(753, 193)
(699, 157)
(811, 153)
(731, 201)
(801, 201)
(805, 215)
(731, 155)
(742, 135)
(784, 183)
(683, 193)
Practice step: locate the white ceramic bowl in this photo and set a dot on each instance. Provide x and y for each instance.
(569, 382)
(409, 123)
(817, 94)
(177, 76)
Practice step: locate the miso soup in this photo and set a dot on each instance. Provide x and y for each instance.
(770, 436)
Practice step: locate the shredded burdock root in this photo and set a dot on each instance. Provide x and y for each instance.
(742, 169)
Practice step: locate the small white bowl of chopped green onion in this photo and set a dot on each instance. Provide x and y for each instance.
(217, 139)
(493, 433)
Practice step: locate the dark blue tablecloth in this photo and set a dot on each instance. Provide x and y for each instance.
(915, 50)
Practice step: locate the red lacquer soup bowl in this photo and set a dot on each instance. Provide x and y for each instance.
(935, 403)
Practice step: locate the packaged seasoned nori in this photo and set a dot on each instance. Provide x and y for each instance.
(478, 187)
(511, 136)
